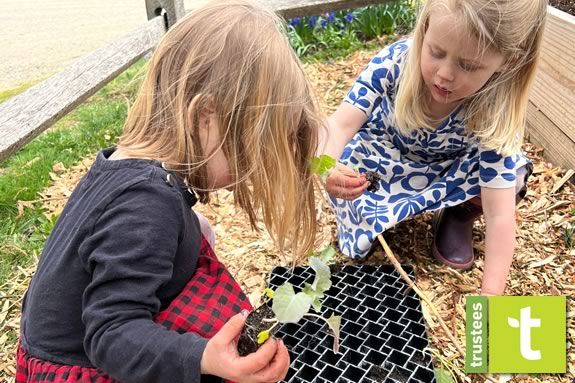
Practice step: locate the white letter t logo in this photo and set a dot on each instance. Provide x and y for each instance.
(524, 324)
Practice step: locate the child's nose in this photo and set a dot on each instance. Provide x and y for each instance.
(445, 72)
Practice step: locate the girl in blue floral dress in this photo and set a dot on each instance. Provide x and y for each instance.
(440, 119)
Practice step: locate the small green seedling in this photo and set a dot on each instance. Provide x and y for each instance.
(289, 307)
(322, 165)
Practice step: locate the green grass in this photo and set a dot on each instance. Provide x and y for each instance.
(6, 94)
(95, 124)
(337, 53)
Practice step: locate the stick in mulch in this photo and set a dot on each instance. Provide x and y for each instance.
(431, 306)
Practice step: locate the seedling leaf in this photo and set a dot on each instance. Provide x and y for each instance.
(322, 281)
(443, 376)
(309, 290)
(316, 304)
(334, 323)
(263, 336)
(288, 306)
(327, 255)
(322, 165)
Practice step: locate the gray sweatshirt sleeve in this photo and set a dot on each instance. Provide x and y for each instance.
(130, 255)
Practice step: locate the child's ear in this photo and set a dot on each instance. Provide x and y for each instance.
(208, 106)
(203, 108)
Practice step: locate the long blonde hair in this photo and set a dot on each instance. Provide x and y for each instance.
(495, 114)
(234, 56)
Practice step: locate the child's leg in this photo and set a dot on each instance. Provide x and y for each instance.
(207, 230)
(453, 227)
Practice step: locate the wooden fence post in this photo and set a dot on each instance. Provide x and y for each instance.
(172, 10)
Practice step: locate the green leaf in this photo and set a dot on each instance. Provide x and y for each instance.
(316, 296)
(309, 290)
(443, 376)
(322, 281)
(263, 336)
(334, 323)
(288, 306)
(316, 304)
(326, 255)
(269, 293)
(322, 165)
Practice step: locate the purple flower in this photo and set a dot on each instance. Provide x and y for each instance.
(323, 23)
(349, 17)
(312, 21)
(331, 17)
(295, 21)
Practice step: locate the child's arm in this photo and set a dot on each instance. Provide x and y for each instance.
(370, 90)
(341, 126)
(499, 212)
(130, 256)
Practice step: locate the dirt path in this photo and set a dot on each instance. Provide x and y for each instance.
(39, 38)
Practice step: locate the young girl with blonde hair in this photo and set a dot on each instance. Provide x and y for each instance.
(440, 117)
(127, 288)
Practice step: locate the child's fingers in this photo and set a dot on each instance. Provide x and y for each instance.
(278, 368)
(232, 328)
(347, 171)
(337, 180)
(261, 358)
(346, 193)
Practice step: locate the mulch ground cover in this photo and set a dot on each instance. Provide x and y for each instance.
(543, 263)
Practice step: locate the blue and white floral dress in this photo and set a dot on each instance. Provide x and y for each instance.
(429, 170)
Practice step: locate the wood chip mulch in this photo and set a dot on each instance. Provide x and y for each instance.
(543, 262)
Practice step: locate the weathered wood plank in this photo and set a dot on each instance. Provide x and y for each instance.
(25, 116)
(554, 89)
(295, 8)
(559, 148)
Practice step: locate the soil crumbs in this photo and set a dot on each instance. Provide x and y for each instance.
(543, 263)
(564, 5)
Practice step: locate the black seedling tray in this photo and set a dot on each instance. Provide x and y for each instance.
(382, 330)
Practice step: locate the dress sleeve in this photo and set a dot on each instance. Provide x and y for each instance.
(495, 170)
(378, 77)
(130, 255)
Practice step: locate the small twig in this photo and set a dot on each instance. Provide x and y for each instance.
(420, 293)
(563, 180)
(411, 284)
(552, 207)
(568, 287)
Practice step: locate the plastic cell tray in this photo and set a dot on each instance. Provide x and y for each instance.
(382, 337)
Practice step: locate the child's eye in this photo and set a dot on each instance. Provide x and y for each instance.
(468, 67)
(436, 54)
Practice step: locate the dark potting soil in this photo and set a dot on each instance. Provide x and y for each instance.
(248, 340)
(564, 5)
(374, 180)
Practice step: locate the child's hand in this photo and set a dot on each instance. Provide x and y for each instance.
(345, 183)
(269, 364)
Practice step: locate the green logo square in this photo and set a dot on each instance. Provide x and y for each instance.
(527, 334)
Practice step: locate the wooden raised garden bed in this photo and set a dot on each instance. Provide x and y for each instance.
(551, 113)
